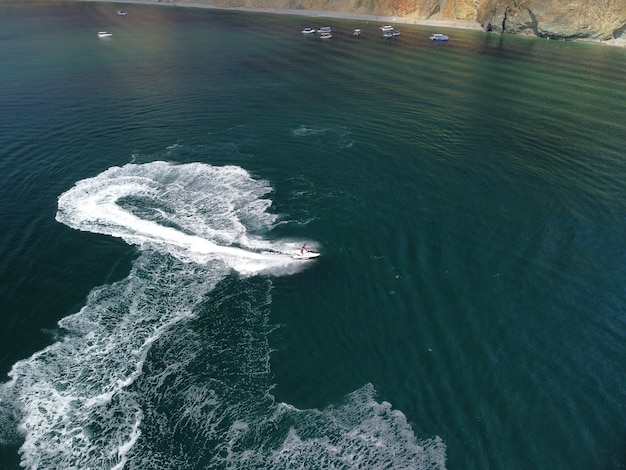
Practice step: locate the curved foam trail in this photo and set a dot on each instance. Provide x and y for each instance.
(74, 398)
(360, 433)
(95, 399)
(161, 206)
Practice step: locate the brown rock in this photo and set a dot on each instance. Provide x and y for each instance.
(560, 19)
(566, 19)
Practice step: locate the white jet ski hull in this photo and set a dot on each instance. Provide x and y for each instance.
(306, 255)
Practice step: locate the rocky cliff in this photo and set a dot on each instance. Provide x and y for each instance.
(558, 19)
(568, 19)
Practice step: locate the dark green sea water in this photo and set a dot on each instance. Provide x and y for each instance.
(469, 201)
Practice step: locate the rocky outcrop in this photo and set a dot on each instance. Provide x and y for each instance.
(558, 19)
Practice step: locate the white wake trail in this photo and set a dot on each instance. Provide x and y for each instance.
(99, 397)
(154, 207)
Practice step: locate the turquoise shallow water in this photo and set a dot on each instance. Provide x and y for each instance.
(468, 200)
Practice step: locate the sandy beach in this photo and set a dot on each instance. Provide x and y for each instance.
(454, 24)
(310, 13)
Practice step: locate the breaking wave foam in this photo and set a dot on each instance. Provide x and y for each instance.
(169, 367)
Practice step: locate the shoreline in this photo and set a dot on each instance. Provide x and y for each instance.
(452, 24)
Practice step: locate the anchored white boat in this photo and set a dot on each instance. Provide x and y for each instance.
(104, 34)
(389, 31)
(439, 37)
(308, 31)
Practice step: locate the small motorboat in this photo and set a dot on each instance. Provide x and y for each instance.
(386, 28)
(438, 37)
(326, 35)
(308, 31)
(324, 29)
(396, 32)
(104, 34)
(356, 33)
(121, 13)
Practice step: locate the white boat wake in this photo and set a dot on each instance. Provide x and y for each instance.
(195, 213)
(181, 344)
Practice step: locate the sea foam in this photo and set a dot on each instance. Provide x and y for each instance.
(170, 366)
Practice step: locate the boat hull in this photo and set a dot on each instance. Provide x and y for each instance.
(439, 37)
(307, 255)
